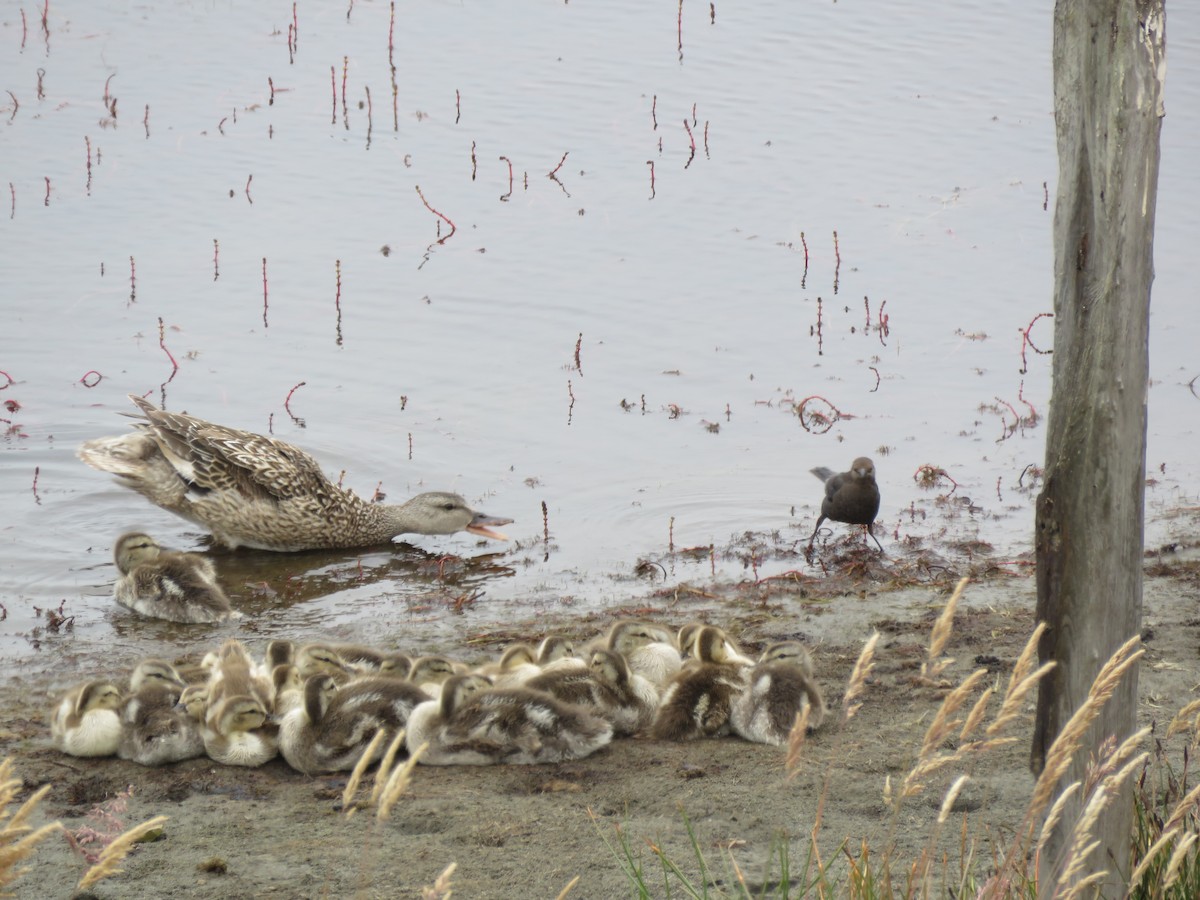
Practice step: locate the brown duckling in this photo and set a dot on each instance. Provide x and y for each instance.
(162, 584)
(781, 685)
(698, 700)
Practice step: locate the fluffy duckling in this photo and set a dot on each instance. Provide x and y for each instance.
(781, 686)
(369, 661)
(235, 674)
(430, 672)
(331, 729)
(515, 726)
(237, 732)
(698, 701)
(155, 672)
(155, 728)
(686, 639)
(85, 721)
(623, 697)
(194, 701)
(517, 664)
(649, 650)
(289, 689)
(427, 719)
(161, 584)
(323, 659)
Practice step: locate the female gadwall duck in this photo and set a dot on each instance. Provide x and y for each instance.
(255, 491)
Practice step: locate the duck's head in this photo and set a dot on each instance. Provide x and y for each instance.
(155, 671)
(457, 688)
(608, 667)
(98, 695)
(318, 691)
(133, 549)
(194, 701)
(321, 659)
(554, 646)
(240, 714)
(517, 655)
(431, 670)
(710, 645)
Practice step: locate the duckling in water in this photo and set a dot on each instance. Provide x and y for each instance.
(162, 584)
(85, 721)
(698, 701)
(333, 727)
(237, 733)
(514, 726)
(155, 728)
(781, 686)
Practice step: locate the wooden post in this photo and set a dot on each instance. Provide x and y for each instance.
(1109, 61)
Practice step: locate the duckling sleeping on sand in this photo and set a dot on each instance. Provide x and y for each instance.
(85, 721)
(698, 701)
(781, 685)
(473, 725)
(163, 584)
(334, 725)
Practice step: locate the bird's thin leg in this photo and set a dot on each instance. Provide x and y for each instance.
(820, 519)
(871, 532)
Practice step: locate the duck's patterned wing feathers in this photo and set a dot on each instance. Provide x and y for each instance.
(214, 457)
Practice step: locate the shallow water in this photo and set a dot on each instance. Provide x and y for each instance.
(576, 340)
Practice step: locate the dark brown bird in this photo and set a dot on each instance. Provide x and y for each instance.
(851, 497)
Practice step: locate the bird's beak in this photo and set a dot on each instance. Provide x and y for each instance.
(480, 526)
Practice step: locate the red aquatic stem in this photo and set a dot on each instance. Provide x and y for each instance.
(650, 163)
(654, 112)
(691, 141)
(333, 88)
(1026, 340)
(163, 344)
(553, 172)
(440, 215)
(216, 260)
(132, 281)
(288, 400)
(457, 106)
(248, 180)
(817, 421)
(265, 325)
(92, 383)
(876, 371)
(927, 477)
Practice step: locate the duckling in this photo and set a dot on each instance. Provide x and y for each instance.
(557, 651)
(161, 584)
(686, 638)
(781, 686)
(289, 689)
(517, 664)
(155, 672)
(323, 659)
(331, 729)
(649, 650)
(85, 720)
(194, 702)
(236, 675)
(369, 661)
(698, 700)
(427, 718)
(155, 728)
(430, 672)
(279, 652)
(237, 733)
(515, 726)
(623, 697)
